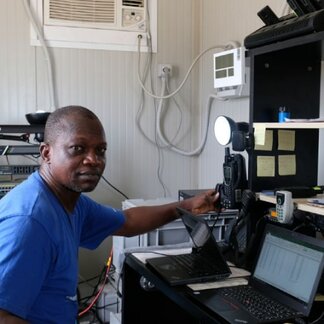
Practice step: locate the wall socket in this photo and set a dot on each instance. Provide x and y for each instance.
(164, 70)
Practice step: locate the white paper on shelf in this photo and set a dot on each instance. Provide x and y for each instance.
(230, 282)
(311, 120)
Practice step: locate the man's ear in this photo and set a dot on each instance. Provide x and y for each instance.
(45, 152)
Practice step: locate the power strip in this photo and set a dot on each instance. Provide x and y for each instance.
(5, 187)
(18, 169)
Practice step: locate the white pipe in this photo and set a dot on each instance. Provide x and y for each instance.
(40, 36)
(165, 141)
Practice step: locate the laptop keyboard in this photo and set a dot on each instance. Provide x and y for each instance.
(196, 265)
(258, 305)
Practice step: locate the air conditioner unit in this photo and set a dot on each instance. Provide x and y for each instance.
(103, 14)
(99, 24)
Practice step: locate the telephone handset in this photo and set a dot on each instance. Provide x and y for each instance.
(284, 206)
(238, 236)
(234, 180)
(238, 232)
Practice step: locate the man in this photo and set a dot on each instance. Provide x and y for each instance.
(45, 220)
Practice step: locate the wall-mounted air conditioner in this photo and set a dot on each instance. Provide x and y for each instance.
(99, 24)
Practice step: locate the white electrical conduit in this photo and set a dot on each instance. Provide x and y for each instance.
(285, 9)
(198, 150)
(165, 141)
(46, 54)
(185, 78)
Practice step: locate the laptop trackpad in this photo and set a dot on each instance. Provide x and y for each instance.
(223, 307)
(215, 301)
(168, 267)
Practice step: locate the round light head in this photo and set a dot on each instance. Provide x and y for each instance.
(37, 118)
(223, 128)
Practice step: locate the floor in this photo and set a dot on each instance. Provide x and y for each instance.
(90, 319)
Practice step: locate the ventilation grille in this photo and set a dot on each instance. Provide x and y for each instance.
(92, 11)
(130, 3)
(97, 24)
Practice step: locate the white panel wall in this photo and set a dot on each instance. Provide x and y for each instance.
(17, 64)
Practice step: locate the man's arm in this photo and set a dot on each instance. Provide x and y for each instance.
(146, 218)
(7, 318)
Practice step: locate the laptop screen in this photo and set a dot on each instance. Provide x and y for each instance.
(293, 266)
(198, 231)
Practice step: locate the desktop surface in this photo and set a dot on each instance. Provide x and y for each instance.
(159, 302)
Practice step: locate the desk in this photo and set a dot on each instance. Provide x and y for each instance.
(300, 203)
(163, 303)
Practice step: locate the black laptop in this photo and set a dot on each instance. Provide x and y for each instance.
(204, 263)
(283, 283)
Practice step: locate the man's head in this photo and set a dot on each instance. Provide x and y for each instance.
(73, 150)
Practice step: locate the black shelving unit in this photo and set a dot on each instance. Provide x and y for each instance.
(287, 73)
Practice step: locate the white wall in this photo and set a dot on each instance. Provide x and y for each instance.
(106, 82)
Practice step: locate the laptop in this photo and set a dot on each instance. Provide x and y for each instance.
(204, 263)
(287, 273)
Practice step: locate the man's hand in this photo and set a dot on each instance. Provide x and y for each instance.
(202, 203)
(143, 219)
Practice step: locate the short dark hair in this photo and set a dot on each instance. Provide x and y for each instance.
(56, 121)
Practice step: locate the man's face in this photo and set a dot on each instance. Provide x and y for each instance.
(77, 157)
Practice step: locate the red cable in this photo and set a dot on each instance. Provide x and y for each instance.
(101, 288)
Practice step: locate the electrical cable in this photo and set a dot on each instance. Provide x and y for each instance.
(118, 282)
(202, 144)
(112, 186)
(148, 72)
(161, 146)
(318, 319)
(139, 113)
(168, 144)
(160, 170)
(285, 9)
(88, 280)
(105, 306)
(41, 39)
(186, 76)
(34, 159)
(215, 221)
(83, 302)
(178, 107)
(160, 153)
(101, 288)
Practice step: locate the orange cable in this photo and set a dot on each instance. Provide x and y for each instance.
(101, 288)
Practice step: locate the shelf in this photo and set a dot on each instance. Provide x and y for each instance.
(36, 128)
(19, 149)
(289, 43)
(291, 125)
(300, 203)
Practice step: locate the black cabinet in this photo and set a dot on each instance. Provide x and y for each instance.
(158, 302)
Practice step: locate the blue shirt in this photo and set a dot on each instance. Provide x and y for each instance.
(39, 244)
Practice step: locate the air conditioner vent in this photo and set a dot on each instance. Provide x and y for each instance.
(93, 11)
(133, 3)
(97, 24)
